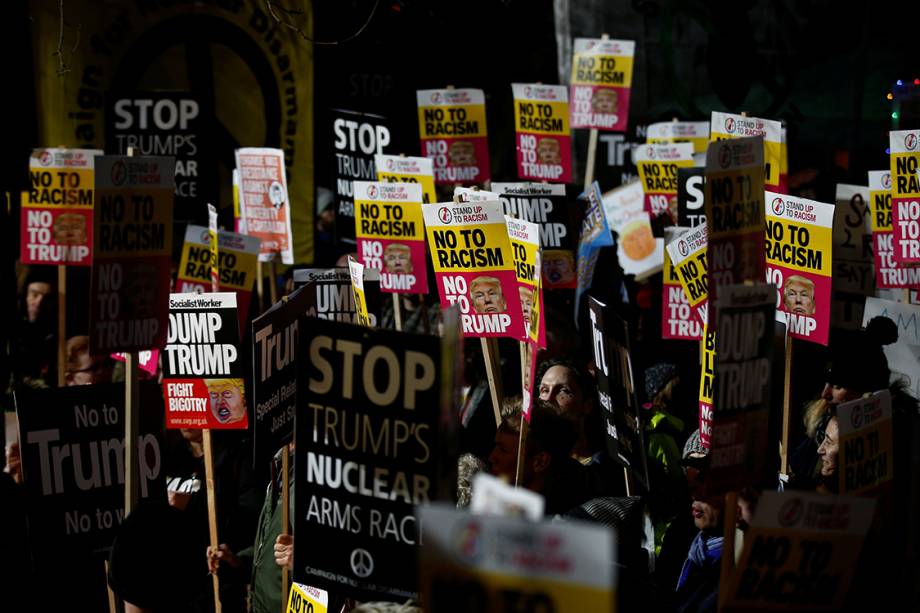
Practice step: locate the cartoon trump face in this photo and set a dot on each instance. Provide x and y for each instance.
(228, 404)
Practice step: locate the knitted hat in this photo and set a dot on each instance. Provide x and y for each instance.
(858, 361)
(657, 376)
(694, 445)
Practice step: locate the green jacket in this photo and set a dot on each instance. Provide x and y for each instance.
(266, 575)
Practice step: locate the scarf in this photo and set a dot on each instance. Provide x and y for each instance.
(704, 551)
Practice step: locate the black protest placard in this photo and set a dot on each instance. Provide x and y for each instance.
(72, 442)
(202, 368)
(356, 139)
(366, 436)
(616, 390)
(167, 123)
(274, 376)
(741, 396)
(545, 205)
(331, 296)
(690, 209)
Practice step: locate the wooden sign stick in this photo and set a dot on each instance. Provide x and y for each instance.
(522, 439)
(787, 416)
(493, 372)
(397, 313)
(272, 282)
(212, 507)
(260, 285)
(62, 324)
(285, 512)
(132, 427)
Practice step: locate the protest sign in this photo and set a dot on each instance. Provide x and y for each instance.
(616, 389)
(658, 165)
(133, 205)
(356, 139)
(367, 437)
(904, 355)
(536, 340)
(545, 205)
(265, 209)
(601, 82)
(542, 136)
(306, 599)
(734, 213)
(677, 319)
(852, 280)
(693, 132)
(56, 223)
(72, 445)
(405, 169)
(452, 128)
(202, 370)
(688, 256)
(690, 197)
(798, 247)
(146, 360)
(638, 251)
(525, 244)
(473, 194)
(799, 552)
(274, 377)
(887, 272)
(477, 563)
(905, 195)
(391, 235)
(237, 262)
(741, 387)
(356, 276)
(726, 126)
(865, 456)
(167, 123)
(330, 295)
(593, 236)
(623, 204)
(494, 496)
(474, 266)
(707, 372)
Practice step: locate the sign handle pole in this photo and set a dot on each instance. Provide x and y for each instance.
(627, 481)
(62, 324)
(425, 325)
(285, 511)
(212, 506)
(728, 547)
(272, 282)
(132, 427)
(493, 372)
(260, 286)
(397, 314)
(787, 417)
(113, 601)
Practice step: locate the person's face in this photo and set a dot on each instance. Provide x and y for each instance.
(560, 386)
(397, 260)
(70, 230)
(835, 394)
(462, 154)
(799, 299)
(89, 370)
(193, 436)
(828, 449)
(35, 295)
(706, 516)
(604, 101)
(548, 152)
(503, 459)
(745, 513)
(227, 403)
(526, 302)
(487, 298)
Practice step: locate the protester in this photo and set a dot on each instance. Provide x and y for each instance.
(565, 385)
(34, 340)
(83, 368)
(467, 467)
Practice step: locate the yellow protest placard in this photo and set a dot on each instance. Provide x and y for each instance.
(688, 255)
(356, 273)
(729, 125)
(865, 444)
(307, 599)
(905, 195)
(406, 169)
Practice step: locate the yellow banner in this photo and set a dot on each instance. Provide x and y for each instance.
(452, 121)
(549, 118)
(60, 187)
(610, 70)
(426, 181)
(469, 248)
(376, 219)
(802, 247)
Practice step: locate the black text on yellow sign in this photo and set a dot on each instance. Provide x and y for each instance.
(693, 274)
(130, 225)
(59, 187)
(392, 224)
(733, 206)
(864, 461)
(473, 254)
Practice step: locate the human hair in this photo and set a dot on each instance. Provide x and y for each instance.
(585, 381)
(808, 283)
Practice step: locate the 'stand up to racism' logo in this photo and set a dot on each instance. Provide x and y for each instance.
(886, 180)
(445, 215)
(730, 125)
(650, 152)
(778, 206)
(436, 97)
(119, 173)
(371, 191)
(527, 91)
(791, 512)
(910, 141)
(390, 164)
(725, 156)
(45, 158)
(683, 248)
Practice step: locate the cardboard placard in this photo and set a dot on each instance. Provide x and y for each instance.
(478, 563)
(307, 599)
(331, 297)
(72, 441)
(265, 208)
(799, 552)
(688, 254)
(690, 197)
(888, 273)
(543, 138)
(536, 340)
(593, 236)
(407, 169)
(367, 436)
(237, 263)
(734, 187)
(707, 386)
(545, 205)
(726, 126)
(203, 383)
(356, 276)
(616, 390)
(693, 132)
(741, 391)
(866, 452)
(391, 234)
(56, 222)
(904, 355)
(602, 71)
(452, 128)
(623, 204)
(525, 244)
(133, 222)
(639, 252)
(474, 266)
(658, 165)
(357, 138)
(905, 195)
(678, 321)
(799, 263)
(852, 279)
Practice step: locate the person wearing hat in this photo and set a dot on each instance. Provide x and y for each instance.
(662, 430)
